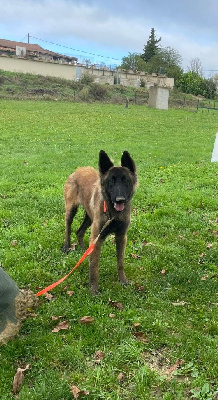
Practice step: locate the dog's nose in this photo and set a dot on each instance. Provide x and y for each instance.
(120, 199)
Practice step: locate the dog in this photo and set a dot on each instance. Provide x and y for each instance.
(105, 195)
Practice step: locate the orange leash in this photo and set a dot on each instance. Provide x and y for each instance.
(87, 253)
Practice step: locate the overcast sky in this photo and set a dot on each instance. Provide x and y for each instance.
(111, 29)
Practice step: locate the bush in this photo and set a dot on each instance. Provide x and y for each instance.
(99, 92)
(191, 82)
(86, 79)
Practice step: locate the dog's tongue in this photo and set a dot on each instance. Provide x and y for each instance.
(119, 206)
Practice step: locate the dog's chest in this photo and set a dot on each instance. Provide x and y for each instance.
(118, 227)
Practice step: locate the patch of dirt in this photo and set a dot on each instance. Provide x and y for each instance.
(159, 362)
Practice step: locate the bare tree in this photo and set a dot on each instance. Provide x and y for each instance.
(196, 66)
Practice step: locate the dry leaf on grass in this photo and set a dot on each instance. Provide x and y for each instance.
(121, 377)
(140, 336)
(115, 304)
(56, 318)
(136, 325)
(76, 392)
(62, 326)
(70, 293)
(174, 367)
(139, 288)
(19, 378)
(99, 356)
(136, 256)
(86, 320)
(49, 296)
(73, 246)
(179, 303)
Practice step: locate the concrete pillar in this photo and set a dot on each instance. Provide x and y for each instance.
(159, 97)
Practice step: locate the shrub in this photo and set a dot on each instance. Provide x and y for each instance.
(86, 79)
(191, 82)
(99, 92)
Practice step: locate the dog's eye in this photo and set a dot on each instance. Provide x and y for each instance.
(111, 181)
(125, 181)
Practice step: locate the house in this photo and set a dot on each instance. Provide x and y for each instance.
(9, 48)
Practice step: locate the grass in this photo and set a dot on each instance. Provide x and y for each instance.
(171, 256)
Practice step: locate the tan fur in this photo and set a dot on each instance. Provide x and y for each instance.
(87, 187)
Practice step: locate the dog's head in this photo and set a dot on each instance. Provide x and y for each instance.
(117, 183)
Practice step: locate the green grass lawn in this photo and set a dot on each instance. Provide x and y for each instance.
(162, 344)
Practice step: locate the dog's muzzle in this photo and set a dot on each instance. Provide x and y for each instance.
(119, 204)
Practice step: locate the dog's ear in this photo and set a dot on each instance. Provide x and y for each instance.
(127, 161)
(104, 163)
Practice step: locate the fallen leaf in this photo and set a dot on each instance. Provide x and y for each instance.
(62, 326)
(14, 243)
(136, 256)
(73, 246)
(111, 315)
(179, 303)
(209, 245)
(202, 255)
(49, 296)
(215, 233)
(195, 234)
(2, 196)
(19, 378)
(76, 392)
(140, 336)
(121, 377)
(174, 367)
(99, 356)
(56, 318)
(140, 288)
(116, 304)
(148, 244)
(136, 325)
(70, 293)
(86, 320)
(181, 237)
(163, 272)
(204, 278)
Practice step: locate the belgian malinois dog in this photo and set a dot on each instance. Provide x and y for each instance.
(106, 196)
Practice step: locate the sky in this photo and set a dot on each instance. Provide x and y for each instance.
(106, 31)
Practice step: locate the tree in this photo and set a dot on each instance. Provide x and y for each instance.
(196, 66)
(151, 47)
(166, 61)
(133, 61)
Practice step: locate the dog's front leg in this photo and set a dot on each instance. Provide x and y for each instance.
(120, 247)
(94, 259)
(93, 267)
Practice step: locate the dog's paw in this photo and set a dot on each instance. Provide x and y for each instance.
(123, 279)
(65, 248)
(94, 291)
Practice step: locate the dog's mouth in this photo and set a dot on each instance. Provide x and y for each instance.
(119, 204)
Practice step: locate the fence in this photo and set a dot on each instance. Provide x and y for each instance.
(207, 104)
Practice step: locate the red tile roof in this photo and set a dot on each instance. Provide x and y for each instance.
(30, 47)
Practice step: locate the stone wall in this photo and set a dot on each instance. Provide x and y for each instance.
(74, 72)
